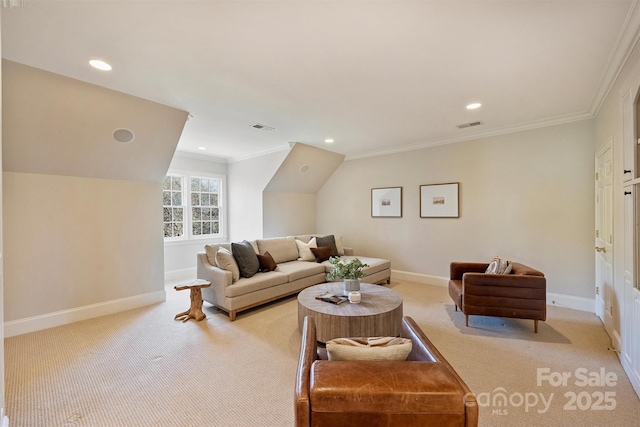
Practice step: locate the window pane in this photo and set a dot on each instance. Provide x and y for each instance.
(167, 229)
(196, 213)
(206, 228)
(195, 199)
(177, 214)
(166, 198)
(206, 213)
(205, 199)
(177, 229)
(166, 183)
(213, 185)
(176, 198)
(166, 214)
(197, 228)
(204, 185)
(214, 213)
(214, 200)
(216, 228)
(176, 183)
(195, 184)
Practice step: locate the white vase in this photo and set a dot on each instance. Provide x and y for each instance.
(351, 285)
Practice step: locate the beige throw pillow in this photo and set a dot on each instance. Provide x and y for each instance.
(225, 261)
(211, 251)
(376, 348)
(499, 266)
(304, 250)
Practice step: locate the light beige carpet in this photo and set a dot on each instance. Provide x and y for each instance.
(142, 368)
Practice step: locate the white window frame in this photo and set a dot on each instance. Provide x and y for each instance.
(184, 210)
(188, 235)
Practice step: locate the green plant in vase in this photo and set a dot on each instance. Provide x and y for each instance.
(350, 271)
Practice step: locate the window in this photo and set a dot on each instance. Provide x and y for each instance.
(205, 208)
(173, 209)
(192, 206)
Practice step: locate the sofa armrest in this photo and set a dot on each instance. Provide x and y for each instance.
(457, 269)
(410, 329)
(213, 274)
(308, 354)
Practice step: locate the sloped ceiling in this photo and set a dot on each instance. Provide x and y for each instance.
(60, 126)
(304, 170)
(375, 76)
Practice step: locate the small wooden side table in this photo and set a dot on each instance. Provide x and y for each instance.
(195, 311)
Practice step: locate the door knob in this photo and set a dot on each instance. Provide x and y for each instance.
(601, 249)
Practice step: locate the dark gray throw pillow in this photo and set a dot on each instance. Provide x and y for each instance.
(246, 258)
(328, 241)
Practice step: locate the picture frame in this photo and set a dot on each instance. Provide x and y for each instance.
(440, 200)
(386, 202)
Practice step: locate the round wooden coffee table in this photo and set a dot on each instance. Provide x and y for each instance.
(379, 314)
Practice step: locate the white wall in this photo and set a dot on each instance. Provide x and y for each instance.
(289, 214)
(180, 257)
(71, 242)
(247, 180)
(526, 196)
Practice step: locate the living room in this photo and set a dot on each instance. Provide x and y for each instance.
(526, 192)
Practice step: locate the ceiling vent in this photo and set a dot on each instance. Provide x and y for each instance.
(469, 125)
(262, 127)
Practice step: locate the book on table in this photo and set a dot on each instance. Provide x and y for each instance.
(332, 298)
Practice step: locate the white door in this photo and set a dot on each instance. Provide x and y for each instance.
(604, 236)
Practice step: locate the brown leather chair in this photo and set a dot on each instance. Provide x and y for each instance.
(422, 391)
(520, 294)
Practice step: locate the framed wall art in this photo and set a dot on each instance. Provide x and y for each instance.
(439, 201)
(386, 202)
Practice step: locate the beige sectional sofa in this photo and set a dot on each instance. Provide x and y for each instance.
(290, 276)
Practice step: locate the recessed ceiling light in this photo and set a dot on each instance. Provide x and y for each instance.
(100, 65)
(202, 148)
(329, 141)
(474, 106)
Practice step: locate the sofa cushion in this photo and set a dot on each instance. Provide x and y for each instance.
(266, 262)
(322, 253)
(246, 257)
(211, 251)
(282, 249)
(256, 283)
(378, 348)
(300, 269)
(328, 241)
(304, 250)
(226, 261)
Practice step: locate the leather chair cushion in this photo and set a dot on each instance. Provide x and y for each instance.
(385, 387)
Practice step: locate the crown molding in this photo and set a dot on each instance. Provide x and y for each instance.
(199, 156)
(259, 154)
(626, 42)
(479, 135)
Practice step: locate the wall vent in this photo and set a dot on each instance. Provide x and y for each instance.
(260, 126)
(469, 125)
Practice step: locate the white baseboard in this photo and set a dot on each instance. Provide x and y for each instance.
(59, 318)
(569, 301)
(425, 279)
(185, 273)
(560, 300)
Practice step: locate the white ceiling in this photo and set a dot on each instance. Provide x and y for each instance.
(376, 76)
